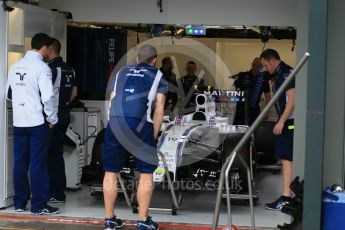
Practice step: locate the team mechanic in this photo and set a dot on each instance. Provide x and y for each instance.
(65, 90)
(284, 128)
(254, 82)
(30, 87)
(132, 131)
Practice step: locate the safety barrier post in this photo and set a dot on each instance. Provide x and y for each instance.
(228, 163)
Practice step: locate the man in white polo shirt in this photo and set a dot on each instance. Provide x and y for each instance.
(30, 88)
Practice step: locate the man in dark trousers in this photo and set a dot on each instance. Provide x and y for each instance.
(169, 76)
(136, 115)
(254, 83)
(30, 88)
(65, 90)
(284, 128)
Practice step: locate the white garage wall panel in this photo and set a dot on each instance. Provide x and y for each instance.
(36, 19)
(120, 11)
(3, 73)
(301, 90)
(59, 31)
(233, 12)
(220, 12)
(23, 23)
(334, 170)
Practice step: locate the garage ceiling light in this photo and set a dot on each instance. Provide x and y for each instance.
(238, 27)
(196, 31)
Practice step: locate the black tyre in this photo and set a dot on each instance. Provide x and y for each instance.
(173, 211)
(238, 174)
(265, 143)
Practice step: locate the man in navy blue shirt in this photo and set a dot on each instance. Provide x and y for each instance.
(136, 115)
(65, 90)
(284, 128)
(254, 82)
(189, 83)
(170, 77)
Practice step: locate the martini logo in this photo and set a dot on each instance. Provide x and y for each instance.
(228, 93)
(226, 96)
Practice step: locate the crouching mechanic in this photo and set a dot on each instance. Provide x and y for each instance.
(132, 131)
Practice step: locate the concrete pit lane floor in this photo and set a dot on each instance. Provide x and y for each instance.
(197, 209)
(18, 222)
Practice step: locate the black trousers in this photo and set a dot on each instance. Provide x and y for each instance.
(56, 163)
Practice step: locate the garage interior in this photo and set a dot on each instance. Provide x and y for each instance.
(236, 47)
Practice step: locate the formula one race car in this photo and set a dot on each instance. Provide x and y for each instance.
(196, 145)
(192, 148)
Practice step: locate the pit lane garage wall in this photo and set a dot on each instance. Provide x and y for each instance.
(17, 26)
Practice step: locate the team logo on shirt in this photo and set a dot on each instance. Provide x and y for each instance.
(21, 76)
(68, 77)
(136, 72)
(129, 90)
(287, 74)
